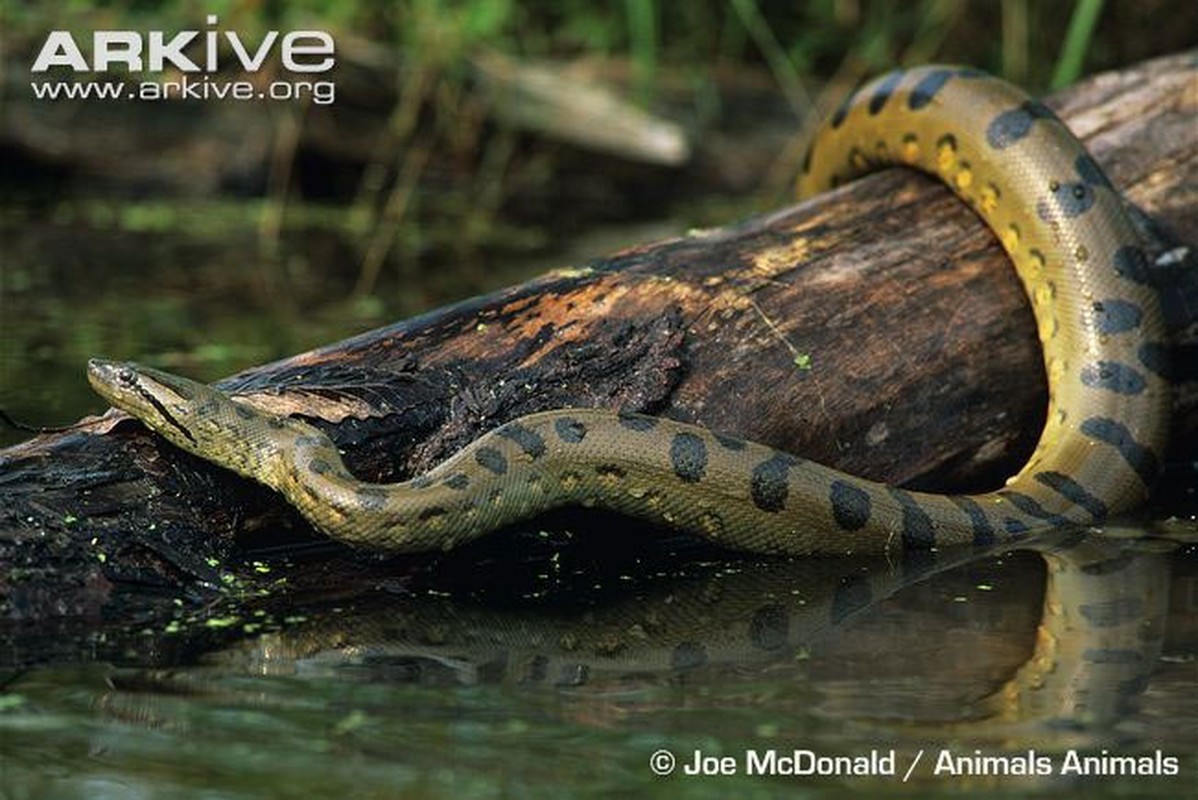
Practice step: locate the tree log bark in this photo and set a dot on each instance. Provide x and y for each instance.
(877, 328)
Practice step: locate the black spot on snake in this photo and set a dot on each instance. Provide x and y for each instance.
(371, 498)
(637, 422)
(458, 482)
(1074, 492)
(730, 442)
(319, 466)
(491, 459)
(1113, 377)
(1113, 612)
(853, 594)
(688, 456)
(807, 160)
(421, 482)
(526, 439)
(983, 531)
(309, 440)
(242, 411)
(1116, 316)
(850, 505)
(1138, 457)
(688, 655)
(927, 88)
(275, 422)
(769, 484)
(885, 89)
(1090, 172)
(1155, 357)
(1130, 262)
(569, 430)
(769, 628)
(1030, 506)
(1015, 527)
(918, 531)
(1011, 126)
(1068, 200)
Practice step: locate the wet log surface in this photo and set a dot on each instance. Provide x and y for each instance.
(877, 329)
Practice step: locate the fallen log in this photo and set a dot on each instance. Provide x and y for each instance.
(877, 329)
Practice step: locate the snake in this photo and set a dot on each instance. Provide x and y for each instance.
(1063, 226)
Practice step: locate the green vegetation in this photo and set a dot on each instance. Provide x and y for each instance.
(1077, 42)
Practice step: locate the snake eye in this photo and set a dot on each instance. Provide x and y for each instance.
(126, 376)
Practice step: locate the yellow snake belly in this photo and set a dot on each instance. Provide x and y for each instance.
(1031, 182)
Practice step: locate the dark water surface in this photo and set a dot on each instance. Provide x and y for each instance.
(551, 677)
(186, 285)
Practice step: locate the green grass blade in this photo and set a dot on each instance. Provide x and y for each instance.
(1077, 42)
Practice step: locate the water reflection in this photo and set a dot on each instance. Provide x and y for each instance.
(1101, 631)
(1098, 635)
(1053, 647)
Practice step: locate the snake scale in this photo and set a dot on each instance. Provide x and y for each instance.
(1056, 215)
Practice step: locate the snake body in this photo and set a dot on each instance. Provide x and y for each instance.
(1031, 182)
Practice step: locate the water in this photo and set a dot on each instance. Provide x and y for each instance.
(191, 286)
(551, 675)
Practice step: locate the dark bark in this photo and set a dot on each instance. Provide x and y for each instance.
(877, 329)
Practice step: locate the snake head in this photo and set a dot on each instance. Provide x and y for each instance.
(172, 406)
(198, 418)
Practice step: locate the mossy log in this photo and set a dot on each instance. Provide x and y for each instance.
(877, 328)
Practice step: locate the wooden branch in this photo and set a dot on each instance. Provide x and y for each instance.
(878, 329)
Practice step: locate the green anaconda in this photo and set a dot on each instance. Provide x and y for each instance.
(1057, 216)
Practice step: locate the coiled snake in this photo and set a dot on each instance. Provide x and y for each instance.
(1032, 183)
